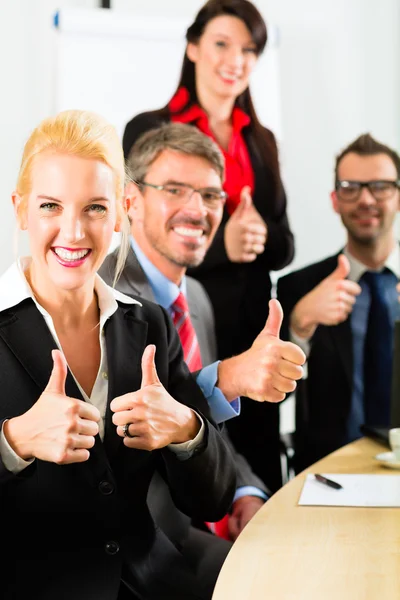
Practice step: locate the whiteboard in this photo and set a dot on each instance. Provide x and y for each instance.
(119, 65)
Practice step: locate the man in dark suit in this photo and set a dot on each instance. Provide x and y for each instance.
(341, 310)
(172, 227)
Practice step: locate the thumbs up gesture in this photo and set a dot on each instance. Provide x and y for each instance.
(246, 231)
(152, 418)
(329, 303)
(269, 369)
(57, 428)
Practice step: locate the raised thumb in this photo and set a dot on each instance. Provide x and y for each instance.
(275, 318)
(245, 202)
(149, 372)
(56, 383)
(342, 269)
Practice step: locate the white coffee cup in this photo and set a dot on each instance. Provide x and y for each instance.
(394, 441)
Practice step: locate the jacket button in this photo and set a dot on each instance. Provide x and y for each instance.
(111, 547)
(106, 488)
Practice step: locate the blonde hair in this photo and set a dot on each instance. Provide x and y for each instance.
(87, 135)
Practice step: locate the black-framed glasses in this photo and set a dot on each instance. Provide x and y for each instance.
(381, 189)
(180, 193)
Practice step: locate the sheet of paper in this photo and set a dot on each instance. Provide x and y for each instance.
(358, 490)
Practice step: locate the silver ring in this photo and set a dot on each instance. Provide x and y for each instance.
(125, 430)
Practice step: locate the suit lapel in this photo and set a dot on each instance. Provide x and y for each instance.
(342, 337)
(126, 336)
(133, 279)
(17, 328)
(192, 301)
(340, 334)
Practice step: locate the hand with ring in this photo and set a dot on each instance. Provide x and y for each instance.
(125, 431)
(151, 418)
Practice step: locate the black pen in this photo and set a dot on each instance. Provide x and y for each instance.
(328, 482)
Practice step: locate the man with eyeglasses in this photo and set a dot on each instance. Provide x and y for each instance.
(176, 207)
(341, 310)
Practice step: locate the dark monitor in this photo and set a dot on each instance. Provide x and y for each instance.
(395, 396)
(382, 433)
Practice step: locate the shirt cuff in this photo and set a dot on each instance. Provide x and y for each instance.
(221, 410)
(249, 490)
(11, 460)
(304, 343)
(186, 450)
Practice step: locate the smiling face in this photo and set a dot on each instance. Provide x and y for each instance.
(70, 216)
(175, 234)
(224, 57)
(366, 220)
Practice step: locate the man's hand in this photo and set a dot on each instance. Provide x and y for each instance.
(246, 231)
(243, 510)
(156, 419)
(329, 303)
(57, 428)
(268, 370)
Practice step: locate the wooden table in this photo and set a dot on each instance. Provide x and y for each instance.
(291, 552)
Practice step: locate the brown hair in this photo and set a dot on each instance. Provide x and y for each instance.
(366, 145)
(262, 144)
(179, 137)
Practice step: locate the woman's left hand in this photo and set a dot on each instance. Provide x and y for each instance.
(155, 419)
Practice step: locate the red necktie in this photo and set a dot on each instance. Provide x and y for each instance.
(187, 333)
(192, 356)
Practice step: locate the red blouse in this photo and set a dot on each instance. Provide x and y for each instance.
(238, 168)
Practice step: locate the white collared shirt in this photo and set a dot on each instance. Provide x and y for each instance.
(14, 288)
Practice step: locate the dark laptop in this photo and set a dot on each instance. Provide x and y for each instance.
(382, 433)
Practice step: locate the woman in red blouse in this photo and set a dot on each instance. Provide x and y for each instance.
(223, 45)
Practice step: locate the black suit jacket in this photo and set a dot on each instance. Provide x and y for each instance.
(70, 531)
(239, 295)
(133, 280)
(323, 399)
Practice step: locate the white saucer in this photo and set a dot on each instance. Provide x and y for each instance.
(387, 459)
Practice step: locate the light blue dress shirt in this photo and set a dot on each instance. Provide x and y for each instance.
(358, 324)
(165, 293)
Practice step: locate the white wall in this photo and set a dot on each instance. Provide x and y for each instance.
(340, 71)
(340, 77)
(26, 76)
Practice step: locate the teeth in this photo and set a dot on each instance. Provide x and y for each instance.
(189, 231)
(68, 255)
(228, 75)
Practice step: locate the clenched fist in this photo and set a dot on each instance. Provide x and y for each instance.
(155, 418)
(269, 369)
(57, 428)
(329, 303)
(246, 231)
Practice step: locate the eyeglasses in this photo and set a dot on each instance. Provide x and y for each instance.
(381, 190)
(180, 193)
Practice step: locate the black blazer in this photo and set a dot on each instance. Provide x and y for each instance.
(70, 531)
(239, 295)
(323, 399)
(133, 280)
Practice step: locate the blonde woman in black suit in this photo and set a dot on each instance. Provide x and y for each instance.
(95, 393)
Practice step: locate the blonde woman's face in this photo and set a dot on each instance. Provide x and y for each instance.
(70, 216)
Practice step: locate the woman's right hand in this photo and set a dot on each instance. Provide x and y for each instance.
(57, 428)
(246, 231)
